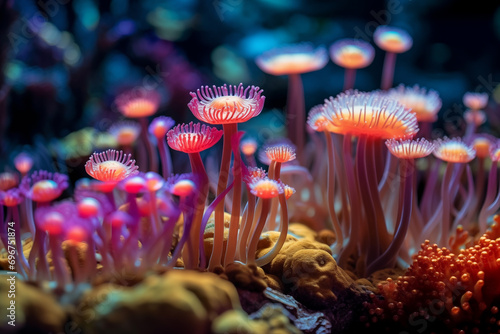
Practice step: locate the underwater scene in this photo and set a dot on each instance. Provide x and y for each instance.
(249, 167)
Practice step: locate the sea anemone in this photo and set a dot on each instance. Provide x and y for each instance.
(351, 54)
(138, 103)
(125, 132)
(294, 60)
(111, 165)
(43, 186)
(23, 162)
(8, 180)
(475, 101)
(159, 128)
(393, 41)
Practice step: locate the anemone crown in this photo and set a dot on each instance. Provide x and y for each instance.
(392, 39)
(281, 153)
(43, 186)
(370, 114)
(8, 180)
(352, 53)
(125, 132)
(111, 165)
(266, 188)
(248, 146)
(160, 126)
(475, 101)
(425, 104)
(23, 162)
(226, 104)
(453, 150)
(292, 59)
(410, 149)
(193, 138)
(318, 121)
(138, 103)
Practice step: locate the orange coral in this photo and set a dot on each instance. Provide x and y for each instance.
(458, 291)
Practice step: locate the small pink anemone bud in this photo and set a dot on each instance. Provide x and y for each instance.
(88, 207)
(11, 197)
(293, 59)
(118, 219)
(495, 154)
(289, 191)
(138, 103)
(193, 138)
(318, 121)
(226, 104)
(392, 39)
(103, 186)
(248, 146)
(154, 182)
(281, 153)
(76, 234)
(23, 162)
(8, 180)
(453, 150)
(371, 114)
(183, 188)
(133, 184)
(410, 149)
(255, 173)
(160, 126)
(51, 222)
(476, 117)
(111, 165)
(352, 53)
(125, 132)
(483, 146)
(475, 101)
(43, 186)
(266, 188)
(425, 104)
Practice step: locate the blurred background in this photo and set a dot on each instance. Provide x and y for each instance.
(64, 61)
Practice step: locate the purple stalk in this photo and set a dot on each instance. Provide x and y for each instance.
(216, 258)
(206, 217)
(153, 159)
(388, 71)
(268, 257)
(349, 78)
(19, 243)
(296, 114)
(490, 194)
(60, 272)
(388, 258)
(445, 195)
(339, 243)
(356, 210)
(166, 159)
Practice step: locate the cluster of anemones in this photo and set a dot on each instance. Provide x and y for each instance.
(443, 291)
(127, 220)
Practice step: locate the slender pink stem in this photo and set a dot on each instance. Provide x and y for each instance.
(60, 272)
(245, 230)
(216, 258)
(445, 195)
(388, 71)
(331, 194)
(234, 224)
(153, 159)
(349, 78)
(252, 247)
(165, 158)
(296, 114)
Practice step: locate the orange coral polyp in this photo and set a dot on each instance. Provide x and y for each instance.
(183, 188)
(352, 53)
(453, 150)
(425, 104)
(482, 146)
(410, 149)
(111, 166)
(248, 146)
(226, 104)
(281, 153)
(293, 59)
(392, 39)
(266, 188)
(370, 114)
(475, 101)
(45, 191)
(193, 138)
(138, 103)
(125, 133)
